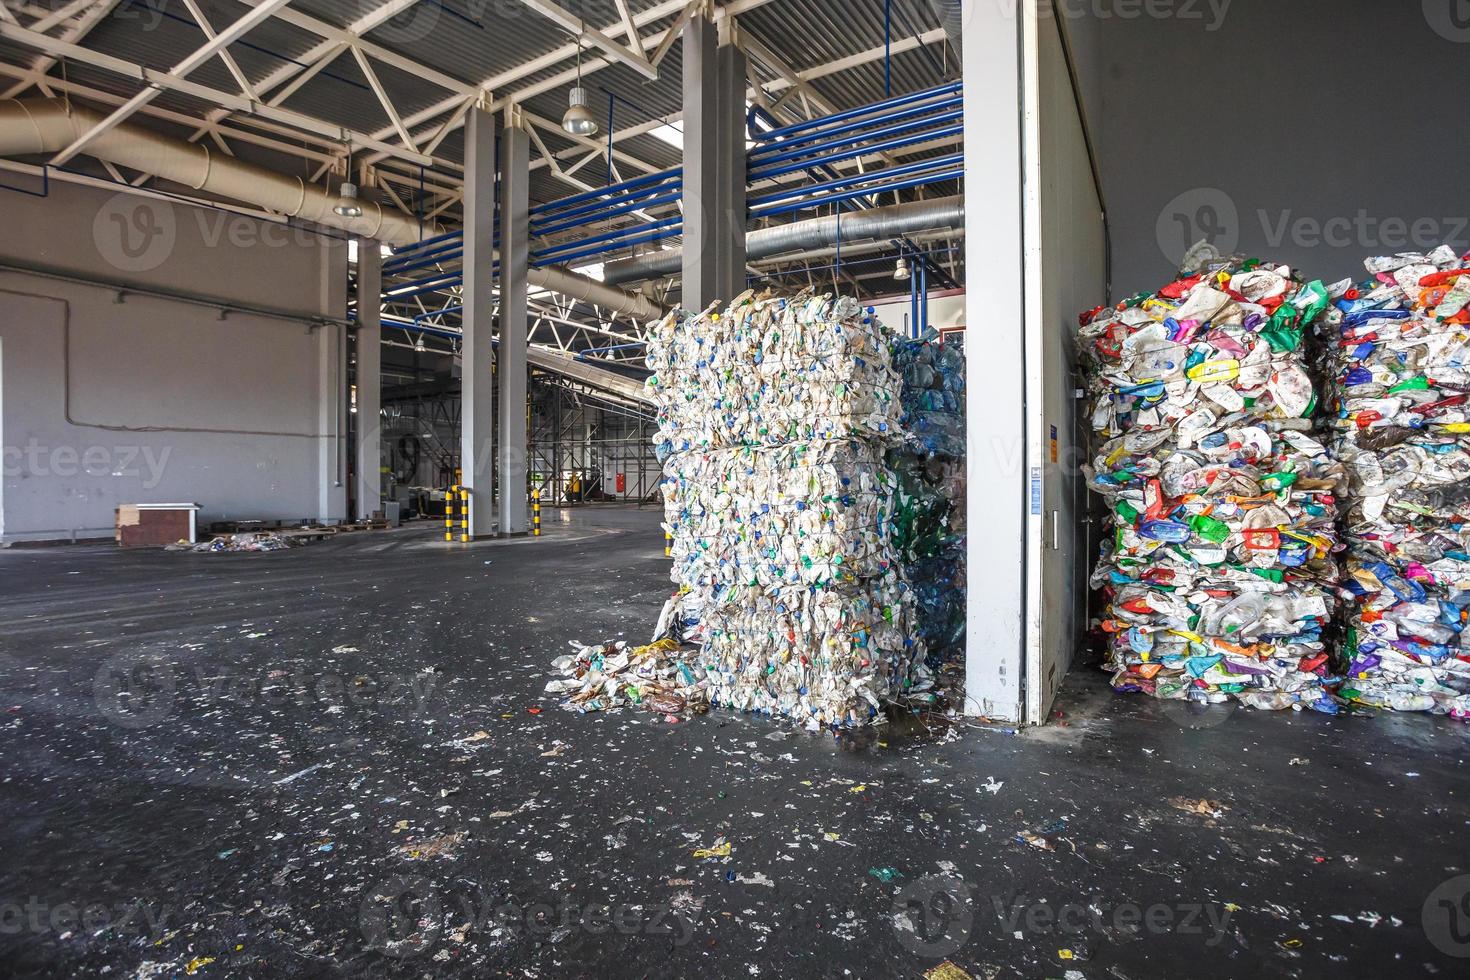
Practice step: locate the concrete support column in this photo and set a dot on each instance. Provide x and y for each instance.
(714, 165)
(477, 384)
(995, 360)
(331, 340)
(369, 378)
(515, 266)
(730, 158)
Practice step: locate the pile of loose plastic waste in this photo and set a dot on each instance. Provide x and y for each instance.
(930, 468)
(659, 677)
(775, 416)
(247, 542)
(1398, 354)
(1219, 578)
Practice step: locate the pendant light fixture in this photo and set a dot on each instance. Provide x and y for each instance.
(579, 120)
(347, 204)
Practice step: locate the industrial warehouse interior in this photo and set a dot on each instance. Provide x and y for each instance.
(947, 489)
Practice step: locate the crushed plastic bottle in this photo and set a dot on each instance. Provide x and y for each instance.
(1219, 577)
(1397, 351)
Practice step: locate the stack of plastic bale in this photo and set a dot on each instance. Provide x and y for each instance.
(774, 418)
(1219, 577)
(930, 465)
(1400, 353)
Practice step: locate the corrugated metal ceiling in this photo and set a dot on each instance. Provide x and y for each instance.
(475, 40)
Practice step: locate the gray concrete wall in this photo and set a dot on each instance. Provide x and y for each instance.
(107, 399)
(1315, 132)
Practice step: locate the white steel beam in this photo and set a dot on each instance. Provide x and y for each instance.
(574, 25)
(353, 35)
(59, 16)
(156, 80)
(224, 54)
(200, 55)
(72, 34)
(503, 80)
(387, 103)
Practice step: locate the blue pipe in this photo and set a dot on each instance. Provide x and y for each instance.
(913, 295)
(953, 88)
(621, 209)
(604, 249)
(899, 185)
(756, 112)
(618, 211)
(863, 127)
(923, 297)
(888, 48)
(612, 201)
(424, 287)
(424, 281)
(626, 185)
(634, 235)
(408, 249)
(431, 331)
(766, 173)
(421, 317)
(852, 180)
(863, 137)
(837, 266)
(437, 249)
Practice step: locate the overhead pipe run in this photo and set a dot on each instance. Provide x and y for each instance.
(893, 221)
(565, 282)
(43, 126)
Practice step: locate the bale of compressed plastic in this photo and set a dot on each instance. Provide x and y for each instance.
(775, 417)
(1399, 358)
(810, 513)
(1218, 577)
(772, 371)
(929, 465)
(827, 657)
(932, 397)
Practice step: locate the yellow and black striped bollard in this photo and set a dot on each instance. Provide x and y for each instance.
(464, 514)
(536, 513)
(449, 501)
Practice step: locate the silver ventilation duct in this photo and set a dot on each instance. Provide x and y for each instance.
(40, 126)
(875, 223)
(50, 125)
